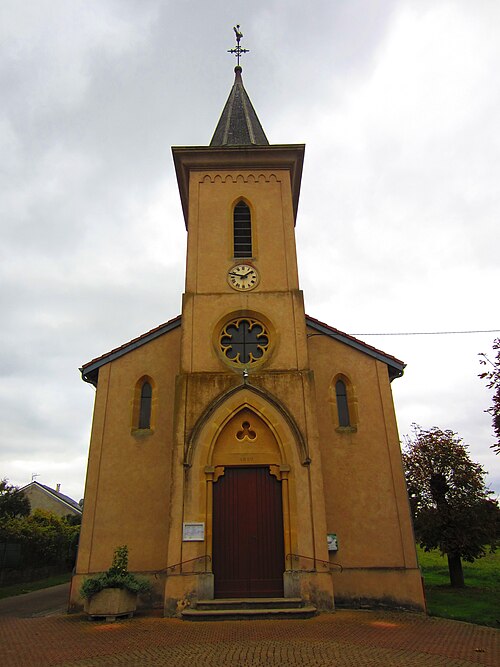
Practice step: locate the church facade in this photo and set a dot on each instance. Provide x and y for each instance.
(245, 449)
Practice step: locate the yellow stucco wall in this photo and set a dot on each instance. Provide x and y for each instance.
(366, 504)
(209, 300)
(127, 493)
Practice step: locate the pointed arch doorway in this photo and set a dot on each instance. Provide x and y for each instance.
(247, 510)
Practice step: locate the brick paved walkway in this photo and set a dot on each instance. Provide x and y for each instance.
(345, 638)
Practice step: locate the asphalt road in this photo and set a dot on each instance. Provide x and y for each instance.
(45, 602)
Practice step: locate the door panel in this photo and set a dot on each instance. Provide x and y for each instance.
(248, 552)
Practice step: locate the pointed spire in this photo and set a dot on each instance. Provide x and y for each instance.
(238, 124)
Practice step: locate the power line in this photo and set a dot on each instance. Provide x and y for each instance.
(428, 333)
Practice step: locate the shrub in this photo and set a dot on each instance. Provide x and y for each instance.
(44, 538)
(116, 577)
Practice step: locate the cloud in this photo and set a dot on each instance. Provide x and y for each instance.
(397, 103)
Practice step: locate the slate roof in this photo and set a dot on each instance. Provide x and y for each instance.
(238, 124)
(90, 370)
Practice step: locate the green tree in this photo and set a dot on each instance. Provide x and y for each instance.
(45, 538)
(451, 506)
(492, 375)
(13, 502)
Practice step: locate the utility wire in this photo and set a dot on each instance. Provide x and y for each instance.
(428, 333)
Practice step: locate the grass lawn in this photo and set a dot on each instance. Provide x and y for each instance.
(19, 589)
(478, 602)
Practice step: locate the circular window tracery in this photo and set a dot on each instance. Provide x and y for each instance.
(244, 341)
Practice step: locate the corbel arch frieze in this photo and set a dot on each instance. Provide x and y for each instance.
(265, 405)
(240, 178)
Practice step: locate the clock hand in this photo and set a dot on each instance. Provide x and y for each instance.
(240, 275)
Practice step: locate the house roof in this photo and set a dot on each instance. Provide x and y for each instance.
(57, 494)
(239, 124)
(90, 370)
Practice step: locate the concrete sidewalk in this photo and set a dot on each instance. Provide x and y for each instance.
(343, 638)
(46, 601)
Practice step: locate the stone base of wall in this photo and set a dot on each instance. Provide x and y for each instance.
(377, 587)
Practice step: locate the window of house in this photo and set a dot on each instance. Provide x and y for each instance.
(342, 403)
(145, 406)
(242, 230)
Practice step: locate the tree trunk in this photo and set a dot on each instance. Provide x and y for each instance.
(455, 569)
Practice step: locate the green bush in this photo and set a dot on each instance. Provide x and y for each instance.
(116, 577)
(129, 581)
(119, 566)
(45, 538)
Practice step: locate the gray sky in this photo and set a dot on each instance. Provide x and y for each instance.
(397, 102)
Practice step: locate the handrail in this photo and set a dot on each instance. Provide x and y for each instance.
(325, 563)
(183, 562)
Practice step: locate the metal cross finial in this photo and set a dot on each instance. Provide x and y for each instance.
(238, 50)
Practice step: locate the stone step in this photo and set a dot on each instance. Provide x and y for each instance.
(190, 614)
(250, 603)
(248, 608)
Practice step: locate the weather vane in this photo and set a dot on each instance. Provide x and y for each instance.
(238, 50)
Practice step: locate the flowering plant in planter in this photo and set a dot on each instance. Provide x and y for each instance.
(117, 577)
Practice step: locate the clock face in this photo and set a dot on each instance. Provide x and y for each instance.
(243, 277)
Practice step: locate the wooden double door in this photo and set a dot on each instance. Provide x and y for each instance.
(247, 550)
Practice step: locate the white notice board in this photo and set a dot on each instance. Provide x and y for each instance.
(193, 531)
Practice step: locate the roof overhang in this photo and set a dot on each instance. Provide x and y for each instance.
(395, 367)
(90, 370)
(207, 158)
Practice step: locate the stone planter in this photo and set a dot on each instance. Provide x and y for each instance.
(111, 603)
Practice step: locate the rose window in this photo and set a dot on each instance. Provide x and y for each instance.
(244, 341)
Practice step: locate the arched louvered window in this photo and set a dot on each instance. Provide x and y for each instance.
(242, 230)
(342, 404)
(145, 406)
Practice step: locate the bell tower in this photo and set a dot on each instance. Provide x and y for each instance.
(244, 364)
(240, 198)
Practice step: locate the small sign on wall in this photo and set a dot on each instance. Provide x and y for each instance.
(332, 542)
(193, 531)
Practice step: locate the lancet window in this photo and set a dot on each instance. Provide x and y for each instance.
(242, 230)
(342, 403)
(145, 405)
